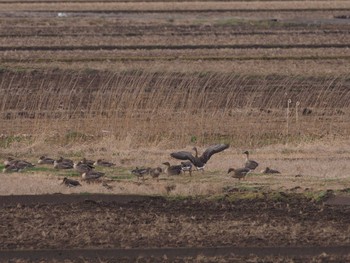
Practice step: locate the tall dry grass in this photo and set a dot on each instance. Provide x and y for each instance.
(175, 109)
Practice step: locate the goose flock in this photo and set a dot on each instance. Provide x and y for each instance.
(190, 162)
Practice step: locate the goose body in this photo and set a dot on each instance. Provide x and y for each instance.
(89, 162)
(11, 168)
(270, 171)
(62, 165)
(104, 163)
(239, 172)
(63, 160)
(45, 160)
(187, 167)
(155, 172)
(70, 182)
(172, 169)
(82, 167)
(251, 164)
(200, 161)
(92, 175)
(140, 172)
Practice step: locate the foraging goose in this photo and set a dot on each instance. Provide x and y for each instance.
(199, 162)
(172, 169)
(82, 167)
(270, 171)
(239, 172)
(187, 167)
(62, 165)
(104, 163)
(92, 175)
(45, 160)
(155, 172)
(70, 182)
(140, 172)
(250, 163)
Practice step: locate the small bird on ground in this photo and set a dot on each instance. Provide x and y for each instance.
(70, 182)
(251, 164)
(45, 160)
(104, 163)
(172, 169)
(239, 173)
(200, 161)
(270, 171)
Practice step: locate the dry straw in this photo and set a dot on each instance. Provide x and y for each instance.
(148, 108)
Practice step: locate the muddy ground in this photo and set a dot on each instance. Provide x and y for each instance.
(105, 228)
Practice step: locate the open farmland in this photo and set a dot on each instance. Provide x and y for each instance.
(132, 82)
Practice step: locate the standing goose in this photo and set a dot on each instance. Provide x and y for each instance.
(250, 163)
(172, 169)
(45, 160)
(239, 172)
(104, 163)
(199, 162)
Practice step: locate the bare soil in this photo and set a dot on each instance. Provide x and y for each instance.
(107, 227)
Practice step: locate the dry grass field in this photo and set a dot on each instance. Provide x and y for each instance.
(132, 81)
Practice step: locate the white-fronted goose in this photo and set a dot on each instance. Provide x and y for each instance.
(199, 162)
(45, 160)
(104, 163)
(89, 162)
(155, 172)
(10, 168)
(172, 169)
(250, 163)
(82, 167)
(70, 182)
(187, 167)
(62, 165)
(239, 172)
(92, 175)
(270, 171)
(64, 160)
(21, 164)
(140, 172)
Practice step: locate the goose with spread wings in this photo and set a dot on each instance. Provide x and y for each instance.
(200, 161)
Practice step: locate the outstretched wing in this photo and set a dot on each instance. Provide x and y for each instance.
(183, 155)
(212, 150)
